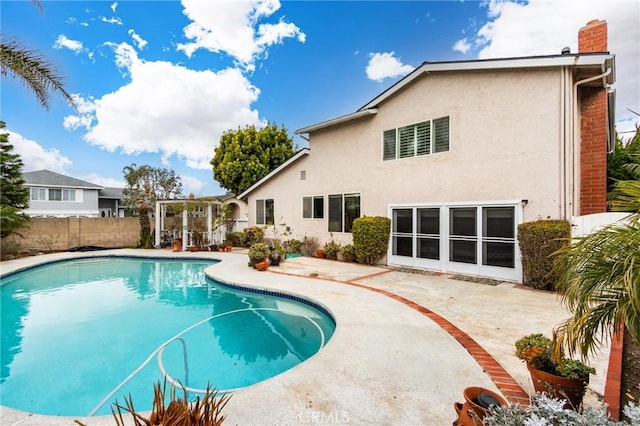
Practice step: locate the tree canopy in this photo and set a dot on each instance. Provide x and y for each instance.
(146, 184)
(14, 196)
(246, 155)
(623, 154)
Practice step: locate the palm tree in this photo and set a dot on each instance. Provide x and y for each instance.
(33, 69)
(600, 278)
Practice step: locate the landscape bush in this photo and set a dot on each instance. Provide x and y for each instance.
(538, 241)
(252, 235)
(371, 238)
(236, 239)
(331, 250)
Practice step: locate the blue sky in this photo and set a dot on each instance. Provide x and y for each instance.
(158, 82)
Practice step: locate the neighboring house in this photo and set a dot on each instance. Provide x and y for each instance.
(57, 195)
(457, 155)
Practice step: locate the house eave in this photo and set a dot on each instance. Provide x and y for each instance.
(342, 119)
(302, 153)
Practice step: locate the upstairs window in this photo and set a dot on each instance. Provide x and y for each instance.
(313, 207)
(427, 137)
(38, 194)
(62, 194)
(264, 212)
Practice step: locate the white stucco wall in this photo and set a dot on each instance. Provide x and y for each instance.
(504, 145)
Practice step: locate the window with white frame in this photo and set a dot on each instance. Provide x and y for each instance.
(62, 194)
(343, 210)
(427, 137)
(313, 207)
(264, 212)
(38, 194)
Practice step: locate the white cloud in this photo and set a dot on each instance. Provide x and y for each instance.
(103, 181)
(139, 41)
(462, 46)
(542, 27)
(230, 27)
(114, 5)
(63, 42)
(113, 20)
(35, 157)
(167, 109)
(191, 185)
(385, 65)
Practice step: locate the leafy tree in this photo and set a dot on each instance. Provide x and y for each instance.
(600, 277)
(14, 196)
(144, 186)
(32, 69)
(244, 156)
(623, 154)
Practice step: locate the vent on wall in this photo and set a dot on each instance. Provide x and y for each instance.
(303, 174)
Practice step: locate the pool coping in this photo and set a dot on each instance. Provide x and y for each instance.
(488, 365)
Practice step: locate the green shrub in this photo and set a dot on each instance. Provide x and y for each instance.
(252, 235)
(293, 245)
(236, 239)
(9, 248)
(371, 238)
(348, 253)
(538, 241)
(258, 252)
(331, 250)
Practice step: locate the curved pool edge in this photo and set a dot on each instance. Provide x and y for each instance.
(7, 268)
(386, 363)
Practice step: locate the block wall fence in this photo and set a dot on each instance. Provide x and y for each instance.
(65, 233)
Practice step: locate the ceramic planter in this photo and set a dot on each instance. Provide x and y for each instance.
(477, 400)
(262, 266)
(320, 253)
(559, 387)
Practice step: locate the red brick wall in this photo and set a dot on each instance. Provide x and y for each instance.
(593, 37)
(593, 127)
(593, 150)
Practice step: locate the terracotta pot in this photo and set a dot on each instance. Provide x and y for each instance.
(559, 387)
(473, 409)
(228, 248)
(177, 245)
(262, 266)
(320, 253)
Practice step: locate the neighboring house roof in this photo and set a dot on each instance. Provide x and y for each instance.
(51, 179)
(586, 64)
(298, 155)
(111, 193)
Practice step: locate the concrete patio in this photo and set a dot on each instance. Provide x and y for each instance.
(393, 359)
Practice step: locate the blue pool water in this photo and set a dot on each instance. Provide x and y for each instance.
(73, 331)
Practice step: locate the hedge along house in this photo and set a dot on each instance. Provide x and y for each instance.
(457, 155)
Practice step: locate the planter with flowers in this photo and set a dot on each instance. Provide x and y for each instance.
(562, 378)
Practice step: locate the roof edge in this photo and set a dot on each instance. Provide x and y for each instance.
(303, 152)
(342, 119)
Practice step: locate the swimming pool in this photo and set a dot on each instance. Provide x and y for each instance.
(73, 331)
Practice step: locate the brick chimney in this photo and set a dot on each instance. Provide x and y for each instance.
(592, 38)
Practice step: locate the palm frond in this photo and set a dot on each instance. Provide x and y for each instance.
(33, 70)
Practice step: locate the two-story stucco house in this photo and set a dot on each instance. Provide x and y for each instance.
(457, 155)
(54, 194)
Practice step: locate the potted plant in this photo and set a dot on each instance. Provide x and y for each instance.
(258, 252)
(560, 377)
(331, 250)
